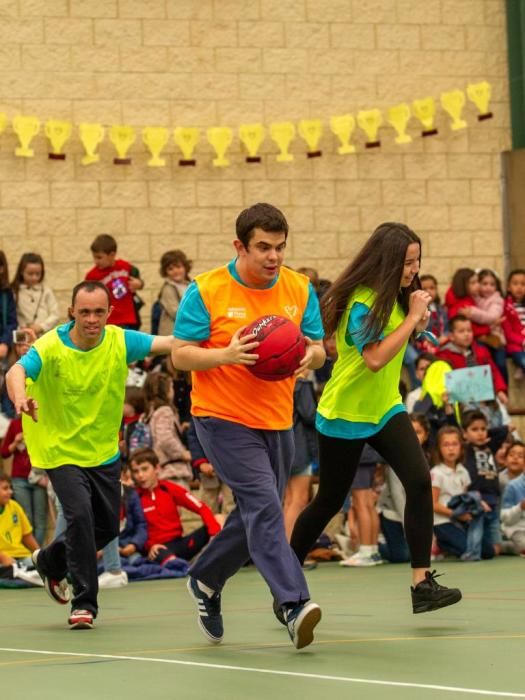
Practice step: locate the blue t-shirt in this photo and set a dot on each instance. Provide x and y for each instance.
(357, 334)
(193, 319)
(138, 346)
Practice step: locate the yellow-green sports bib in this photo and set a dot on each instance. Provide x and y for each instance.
(80, 396)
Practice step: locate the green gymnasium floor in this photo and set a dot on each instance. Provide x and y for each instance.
(368, 645)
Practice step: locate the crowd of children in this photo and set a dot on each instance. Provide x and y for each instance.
(477, 460)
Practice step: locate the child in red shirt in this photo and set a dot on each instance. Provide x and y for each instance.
(160, 501)
(121, 279)
(462, 351)
(460, 296)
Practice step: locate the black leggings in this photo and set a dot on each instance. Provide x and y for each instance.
(338, 460)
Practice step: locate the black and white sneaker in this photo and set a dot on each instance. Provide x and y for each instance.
(301, 620)
(209, 608)
(428, 595)
(278, 612)
(58, 591)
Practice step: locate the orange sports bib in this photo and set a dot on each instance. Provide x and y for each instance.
(231, 392)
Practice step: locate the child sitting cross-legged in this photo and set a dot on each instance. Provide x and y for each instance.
(160, 501)
(16, 538)
(458, 526)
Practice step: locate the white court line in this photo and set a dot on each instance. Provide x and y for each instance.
(274, 672)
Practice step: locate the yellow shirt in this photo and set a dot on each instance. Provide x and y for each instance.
(13, 526)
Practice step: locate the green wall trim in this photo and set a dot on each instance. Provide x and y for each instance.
(516, 54)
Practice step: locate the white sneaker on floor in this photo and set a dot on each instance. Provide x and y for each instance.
(109, 580)
(358, 559)
(31, 576)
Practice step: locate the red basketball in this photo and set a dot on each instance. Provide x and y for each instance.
(281, 349)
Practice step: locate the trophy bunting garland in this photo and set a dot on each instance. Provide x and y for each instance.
(252, 136)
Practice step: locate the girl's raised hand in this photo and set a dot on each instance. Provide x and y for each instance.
(418, 304)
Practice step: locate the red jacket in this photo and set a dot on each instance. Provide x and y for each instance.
(162, 515)
(116, 280)
(458, 360)
(21, 464)
(454, 304)
(513, 328)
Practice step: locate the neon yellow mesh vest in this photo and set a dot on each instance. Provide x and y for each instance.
(354, 392)
(80, 397)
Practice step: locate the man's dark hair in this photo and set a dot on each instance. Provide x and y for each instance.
(4, 477)
(470, 416)
(89, 286)
(104, 243)
(453, 322)
(263, 216)
(144, 454)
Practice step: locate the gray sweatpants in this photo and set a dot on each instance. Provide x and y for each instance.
(256, 465)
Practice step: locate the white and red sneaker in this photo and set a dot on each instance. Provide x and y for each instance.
(81, 620)
(58, 591)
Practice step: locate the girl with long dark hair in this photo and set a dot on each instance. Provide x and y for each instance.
(374, 307)
(36, 305)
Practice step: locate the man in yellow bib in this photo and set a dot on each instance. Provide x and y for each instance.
(69, 389)
(244, 423)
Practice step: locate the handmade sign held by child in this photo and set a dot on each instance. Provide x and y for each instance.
(470, 384)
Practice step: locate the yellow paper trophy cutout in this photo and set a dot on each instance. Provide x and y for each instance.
(186, 139)
(155, 138)
(479, 93)
(453, 103)
(26, 128)
(399, 116)
(252, 136)
(220, 138)
(122, 137)
(369, 121)
(283, 133)
(343, 127)
(425, 111)
(91, 136)
(57, 133)
(311, 131)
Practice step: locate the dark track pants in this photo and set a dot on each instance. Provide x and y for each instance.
(256, 465)
(338, 460)
(90, 498)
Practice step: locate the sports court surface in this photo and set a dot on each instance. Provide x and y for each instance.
(368, 645)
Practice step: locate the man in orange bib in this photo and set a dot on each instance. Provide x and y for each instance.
(244, 423)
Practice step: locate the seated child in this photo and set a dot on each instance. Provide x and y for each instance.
(462, 351)
(423, 362)
(490, 309)
(513, 462)
(481, 444)
(160, 501)
(513, 514)
(438, 321)
(16, 538)
(463, 289)
(454, 533)
(513, 324)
